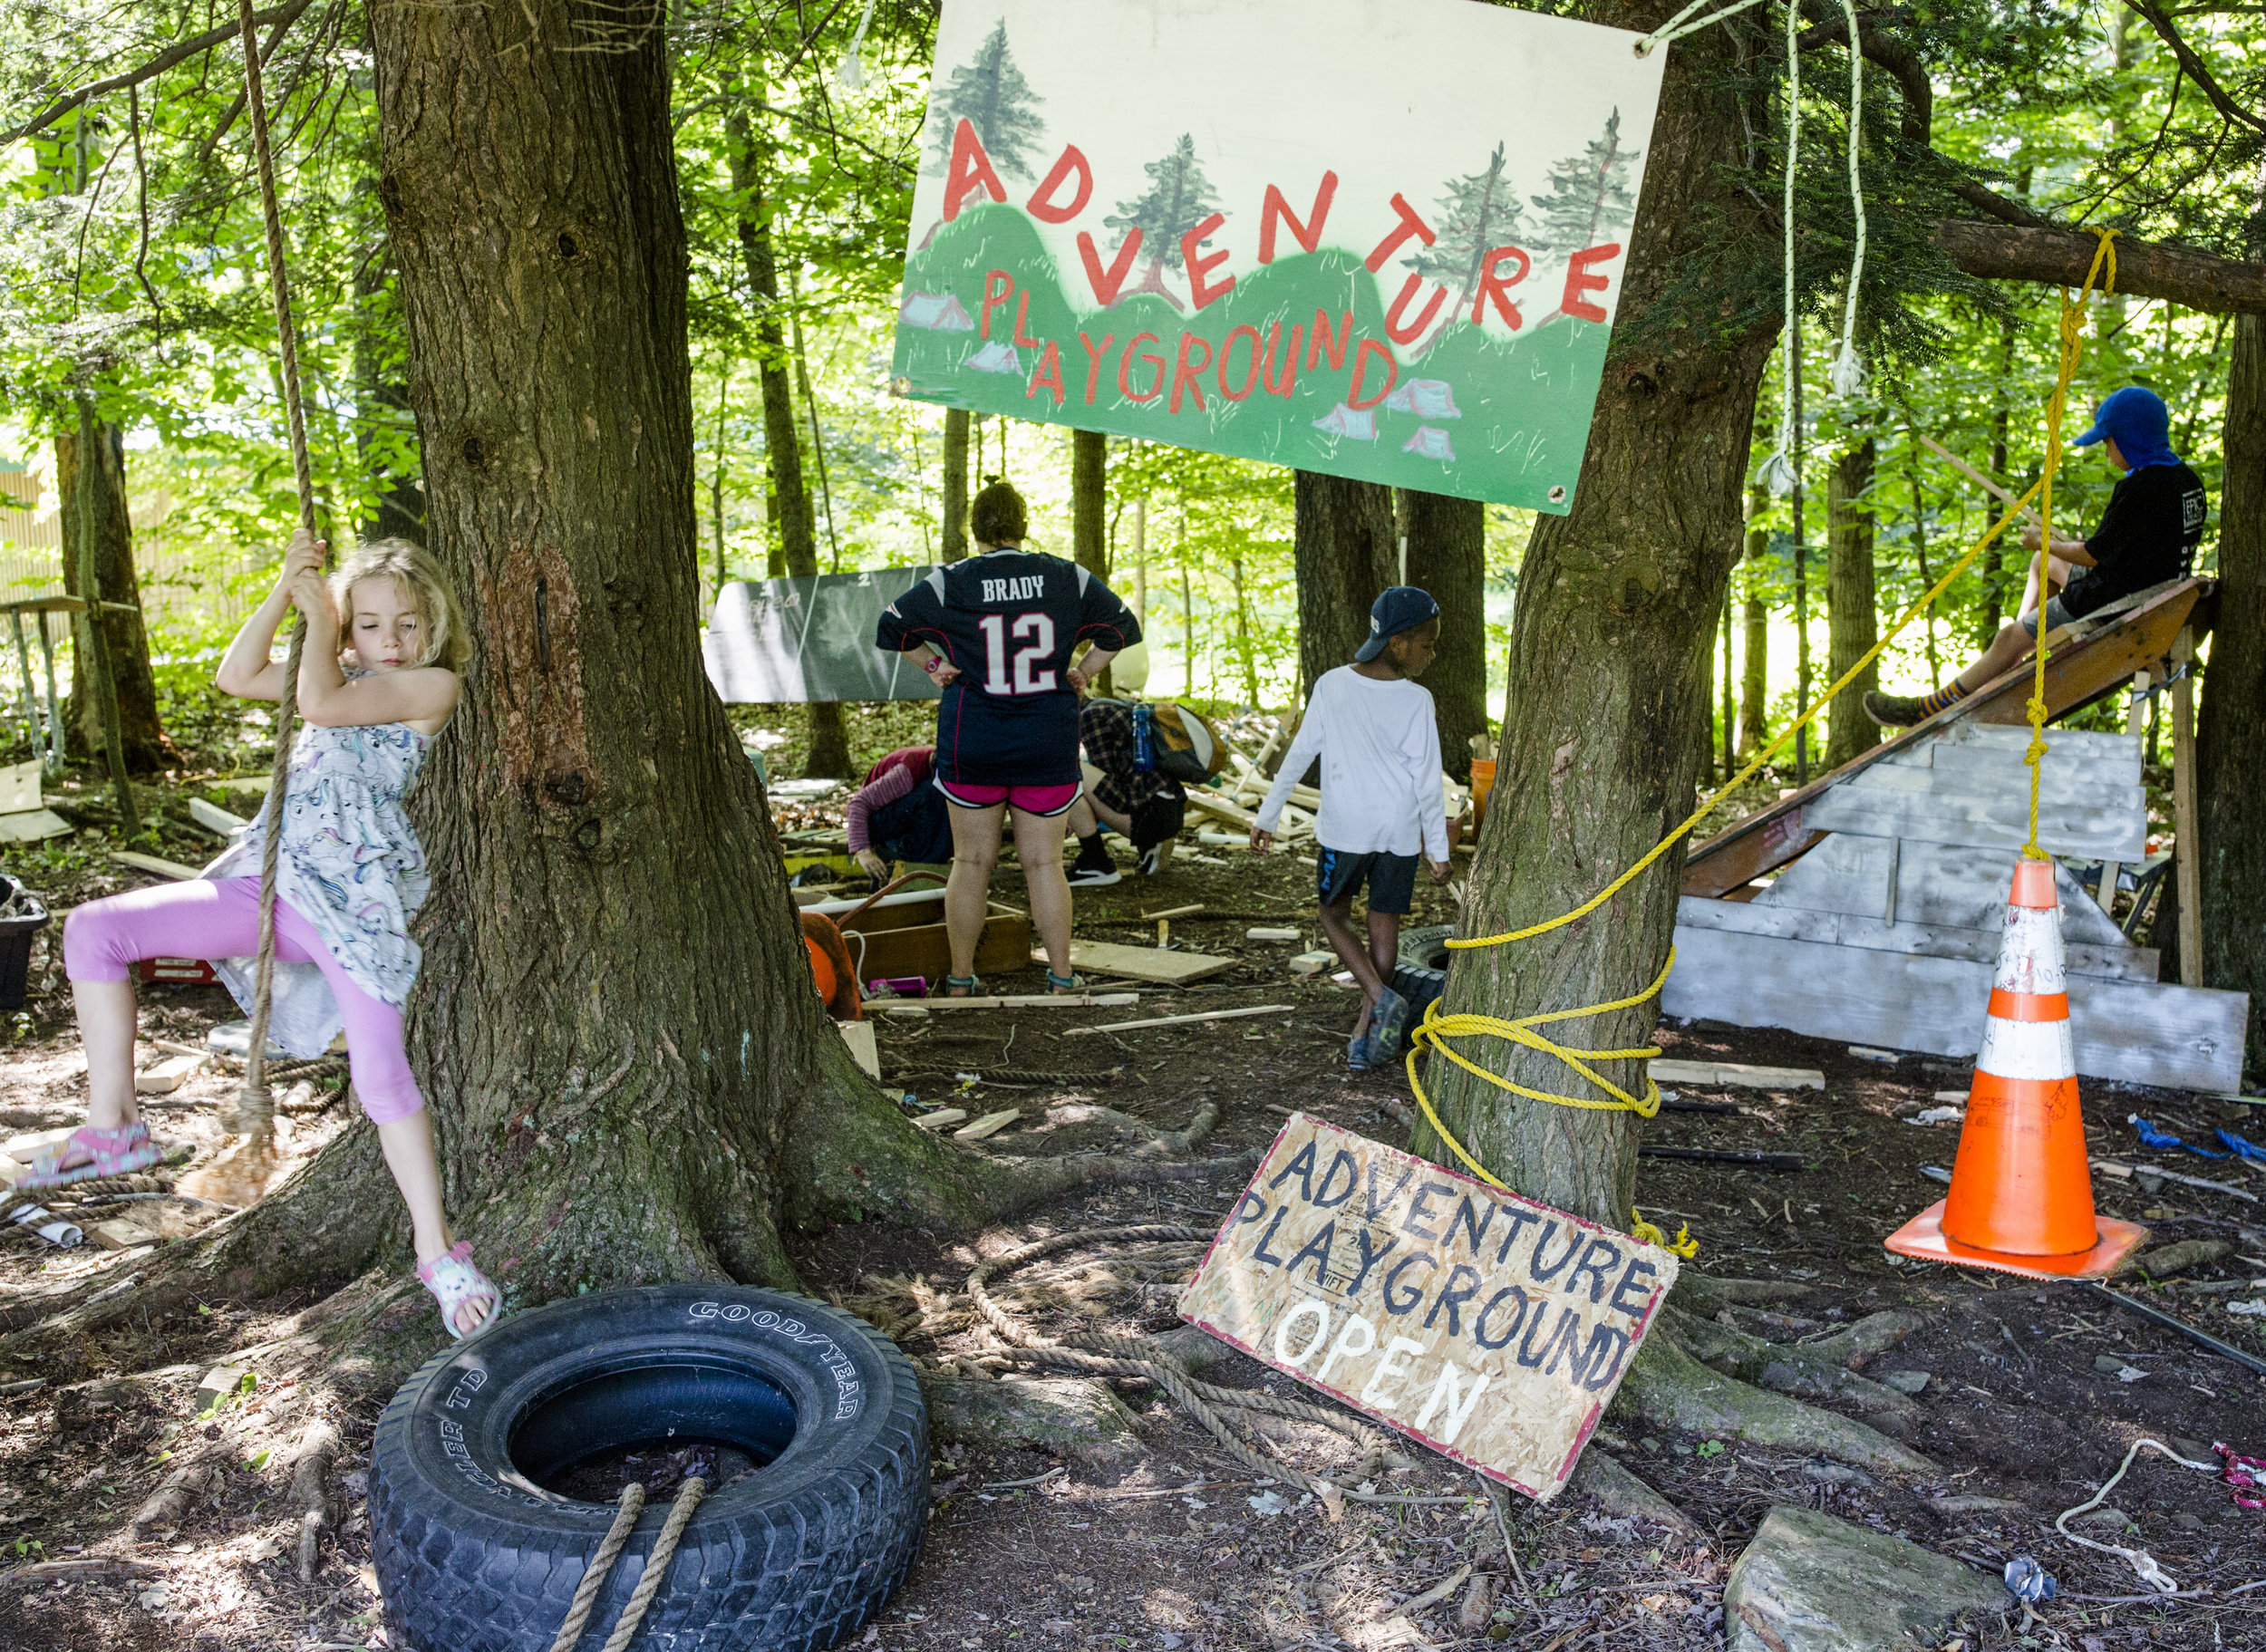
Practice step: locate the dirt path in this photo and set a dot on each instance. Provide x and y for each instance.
(1167, 1542)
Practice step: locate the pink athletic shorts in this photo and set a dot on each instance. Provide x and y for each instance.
(1040, 800)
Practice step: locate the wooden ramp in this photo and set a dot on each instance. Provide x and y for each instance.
(1881, 923)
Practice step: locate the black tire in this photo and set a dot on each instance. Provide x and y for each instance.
(474, 1555)
(1423, 972)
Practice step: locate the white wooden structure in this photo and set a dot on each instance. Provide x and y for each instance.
(1886, 931)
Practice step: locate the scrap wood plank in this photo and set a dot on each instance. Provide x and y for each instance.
(32, 826)
(151, 863)
(1012, 1001)
(214, 819)
(1220, 808)
(2075, 676)
(1739, 1073)
(1144, 963)
(988, 1126)
(1179, 1021)
(940, 1118)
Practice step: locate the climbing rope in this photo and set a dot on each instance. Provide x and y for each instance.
(254, 1117)
(1848, 369)
(610, 1549)
(1436, 1029)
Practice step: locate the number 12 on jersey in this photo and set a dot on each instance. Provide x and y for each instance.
(1039, 629)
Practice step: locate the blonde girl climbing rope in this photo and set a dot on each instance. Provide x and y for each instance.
(377, 683)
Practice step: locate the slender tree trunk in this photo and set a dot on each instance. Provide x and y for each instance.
(1754, 690)
(1730, 705)
(1617, 604)
(2230, 738)
(798, 546)
(1447, 555)
(1089, 488)
(125, 639)
(2002, 420)
(1852, 603)
(1243, 654)
(1344, 553)
(955, 529)
(1920, 553)
(1802, 740)
(632, 1078)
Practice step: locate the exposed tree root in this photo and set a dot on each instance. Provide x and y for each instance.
(1815, 1371)
(310, 1489)
(1667, 1385)
(1621, 1492)
(1704, 1297)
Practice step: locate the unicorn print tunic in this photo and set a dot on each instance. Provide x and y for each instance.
(350, 864)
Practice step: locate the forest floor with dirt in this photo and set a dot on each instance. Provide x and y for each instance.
(1147, 1534)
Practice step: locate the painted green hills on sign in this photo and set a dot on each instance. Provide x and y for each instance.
(985, 323)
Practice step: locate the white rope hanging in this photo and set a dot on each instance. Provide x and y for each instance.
(1675, 28)
(1848, 372)
(850, 75)
(1777, 471)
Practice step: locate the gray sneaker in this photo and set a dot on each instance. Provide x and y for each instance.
(1892, 710)
(1359, 1056)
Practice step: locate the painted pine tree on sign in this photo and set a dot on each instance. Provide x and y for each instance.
(1590, 195)
(1179, 198)
(989, 93)
(1478, 214)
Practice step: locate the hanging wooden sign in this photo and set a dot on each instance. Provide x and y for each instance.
(1487, 1326)
(1378, 239)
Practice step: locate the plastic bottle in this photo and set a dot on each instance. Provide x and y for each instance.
(1143, 738)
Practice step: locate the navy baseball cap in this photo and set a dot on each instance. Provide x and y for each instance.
(1396, 609)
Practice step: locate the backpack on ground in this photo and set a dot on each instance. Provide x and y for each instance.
(1188, 748)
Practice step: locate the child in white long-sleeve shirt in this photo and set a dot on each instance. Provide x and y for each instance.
(1381, 807)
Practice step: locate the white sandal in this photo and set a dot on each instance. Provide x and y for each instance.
(453, 1281)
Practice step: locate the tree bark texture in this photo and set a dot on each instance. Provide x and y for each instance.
(1447, 555)
(955, 526)
(1853, 618)
(128, 638)
(1344, 552)
(615, 1024)
(1609, 652)
(1754, 687)
(2188, 275)
(1090, 490)
(2231, 736)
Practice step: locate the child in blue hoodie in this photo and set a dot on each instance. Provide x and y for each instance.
(2148, 535)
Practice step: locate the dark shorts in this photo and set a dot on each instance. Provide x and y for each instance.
(2057, 616)
(1160, 817)
(1392, 879)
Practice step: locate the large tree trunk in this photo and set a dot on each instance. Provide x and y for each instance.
(147, 748)
(1344, 554)
(1853, 617)
(829, 755)
(1447, 555)
(2230, 744)
(1754, 688)
(614, 1024)
(1089, 489)
(1610, 648)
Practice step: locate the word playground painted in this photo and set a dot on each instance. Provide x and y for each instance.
(1376, 239)
(1486, 1326)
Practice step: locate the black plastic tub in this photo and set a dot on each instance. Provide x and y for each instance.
(16, 931)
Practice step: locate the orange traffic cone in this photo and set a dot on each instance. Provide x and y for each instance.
(2021, 1197)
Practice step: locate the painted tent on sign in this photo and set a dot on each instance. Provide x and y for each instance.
(1148, 239)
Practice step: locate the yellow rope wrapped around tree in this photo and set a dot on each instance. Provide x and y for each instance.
(1437, 1031)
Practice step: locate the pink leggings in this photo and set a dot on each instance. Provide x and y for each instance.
(219, 918)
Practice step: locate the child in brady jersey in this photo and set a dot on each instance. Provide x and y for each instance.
(996, 633)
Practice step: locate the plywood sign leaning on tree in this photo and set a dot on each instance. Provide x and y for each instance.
(1376, 239)
(1486, 1326)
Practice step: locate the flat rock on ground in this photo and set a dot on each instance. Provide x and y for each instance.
(1811, 1583)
